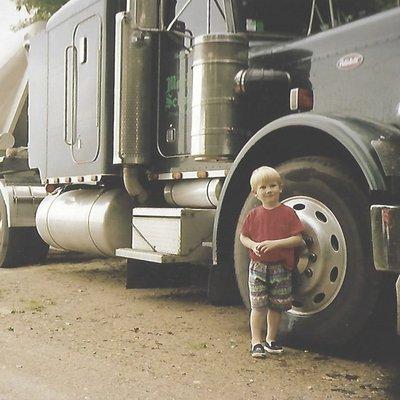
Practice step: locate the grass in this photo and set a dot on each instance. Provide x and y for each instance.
(33, 305)
(198, 345)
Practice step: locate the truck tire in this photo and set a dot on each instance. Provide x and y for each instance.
(21, 245)
(336, 294)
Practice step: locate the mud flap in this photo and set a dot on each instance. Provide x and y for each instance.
(398, 304)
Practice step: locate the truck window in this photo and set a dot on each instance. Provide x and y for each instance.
(302, 17)
(195, 16)
(328, 14)
(272, 16)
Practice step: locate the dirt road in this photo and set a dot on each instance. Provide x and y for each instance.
(70, 330)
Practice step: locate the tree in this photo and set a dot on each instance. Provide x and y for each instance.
(39, 10)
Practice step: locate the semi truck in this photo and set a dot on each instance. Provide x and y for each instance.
(147, 117)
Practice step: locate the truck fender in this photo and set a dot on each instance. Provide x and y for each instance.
(358, 138)
(21, 203)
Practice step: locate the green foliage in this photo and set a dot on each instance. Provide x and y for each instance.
(39, 10)
(386, 4)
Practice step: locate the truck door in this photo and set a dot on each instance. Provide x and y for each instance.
(86, 84)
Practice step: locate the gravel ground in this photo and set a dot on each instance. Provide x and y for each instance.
(70, 330)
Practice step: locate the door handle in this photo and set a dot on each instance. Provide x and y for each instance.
(70, 95)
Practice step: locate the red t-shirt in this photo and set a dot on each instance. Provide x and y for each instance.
(279, 223)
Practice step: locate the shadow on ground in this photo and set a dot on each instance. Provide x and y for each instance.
(67, 257)
(378, 342)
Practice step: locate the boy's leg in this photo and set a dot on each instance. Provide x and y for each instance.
(273, 321)
(258, 301)
(257, 324)
(280, 299)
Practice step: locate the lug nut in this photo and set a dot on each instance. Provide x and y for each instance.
(312, 257)
(308, 273)
(309, 240)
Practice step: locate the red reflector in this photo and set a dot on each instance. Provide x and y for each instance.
(50, 188)
(301, 99)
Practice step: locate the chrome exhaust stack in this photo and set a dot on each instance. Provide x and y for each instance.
(135, 85)
(197, 193)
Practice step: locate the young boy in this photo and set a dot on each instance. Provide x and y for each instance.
(270, 232)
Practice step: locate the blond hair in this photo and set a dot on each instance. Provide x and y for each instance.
(264, 175)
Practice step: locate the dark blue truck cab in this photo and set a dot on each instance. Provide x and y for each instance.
(148, 117)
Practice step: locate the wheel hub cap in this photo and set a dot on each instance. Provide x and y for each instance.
(322, 265)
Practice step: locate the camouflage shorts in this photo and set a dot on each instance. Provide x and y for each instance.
(270, 285)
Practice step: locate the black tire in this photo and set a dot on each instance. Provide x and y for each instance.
(337, 299)
(19, 246)
(5, 252)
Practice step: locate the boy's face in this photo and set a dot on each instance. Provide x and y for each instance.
(268, 193)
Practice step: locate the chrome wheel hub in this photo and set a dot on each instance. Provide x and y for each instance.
(322, 265)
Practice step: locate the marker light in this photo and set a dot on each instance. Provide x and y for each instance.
(50, 188)
(301, 99)
(177, 175)
(152, 177)
(202, 174)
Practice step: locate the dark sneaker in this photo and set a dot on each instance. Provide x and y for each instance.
(258, 351)
(273, 347)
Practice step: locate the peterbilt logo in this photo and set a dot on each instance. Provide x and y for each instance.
(350, 61)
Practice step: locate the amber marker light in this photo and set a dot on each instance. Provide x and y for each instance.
(177, 175)
(202, 174)
(301, 99)
(152, 177)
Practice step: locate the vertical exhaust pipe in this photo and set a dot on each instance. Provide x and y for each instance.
(135, 84)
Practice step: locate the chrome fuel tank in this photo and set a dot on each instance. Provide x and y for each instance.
(86, 220)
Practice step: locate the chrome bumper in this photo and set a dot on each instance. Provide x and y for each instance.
(398, 304)
(385, 223)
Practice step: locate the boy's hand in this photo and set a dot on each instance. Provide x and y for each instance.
(264, 247)
(268, 245)
(256, 249)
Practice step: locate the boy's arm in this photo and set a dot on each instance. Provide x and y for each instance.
(250, 244)
(288, 243)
